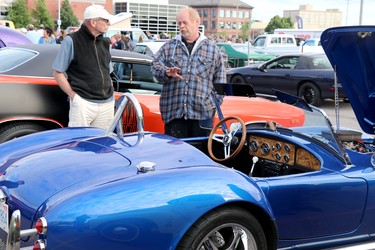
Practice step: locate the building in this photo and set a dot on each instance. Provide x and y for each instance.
(3, 5)
(155, 17)
(219, 17)
(78, 6)
(315, 19)
(222, 17)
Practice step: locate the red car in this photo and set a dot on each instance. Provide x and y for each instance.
(31, 101)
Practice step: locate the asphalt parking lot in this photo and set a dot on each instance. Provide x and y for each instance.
(346, 115)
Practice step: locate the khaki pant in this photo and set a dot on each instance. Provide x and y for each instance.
(84, 113)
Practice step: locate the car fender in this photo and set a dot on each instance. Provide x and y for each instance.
(27, 144)
(124, 210)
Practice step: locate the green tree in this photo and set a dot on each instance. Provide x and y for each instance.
(245, 30)
(278, 22)
(67, 15)
(41, 15)
(18, 14)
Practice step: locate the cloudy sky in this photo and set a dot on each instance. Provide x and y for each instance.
(266, 9)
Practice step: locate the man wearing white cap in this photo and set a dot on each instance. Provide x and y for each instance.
(85, 58)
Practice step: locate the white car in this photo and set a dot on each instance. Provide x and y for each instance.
(312, 45)
(148, 48)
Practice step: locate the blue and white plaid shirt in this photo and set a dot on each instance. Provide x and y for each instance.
(190, 97)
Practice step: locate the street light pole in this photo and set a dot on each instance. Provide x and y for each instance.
(58, 17)
(237, 20)
(360, 13)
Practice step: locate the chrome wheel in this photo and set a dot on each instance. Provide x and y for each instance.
(229, 236)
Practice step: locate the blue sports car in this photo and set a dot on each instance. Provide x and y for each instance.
(247, 186)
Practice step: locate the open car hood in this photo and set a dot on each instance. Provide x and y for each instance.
(351, 50)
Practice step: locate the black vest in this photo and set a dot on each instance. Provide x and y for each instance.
(88, 73)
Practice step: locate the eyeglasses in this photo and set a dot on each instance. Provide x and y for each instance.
(102, 19)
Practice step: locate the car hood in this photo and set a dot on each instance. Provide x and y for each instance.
(351, 52)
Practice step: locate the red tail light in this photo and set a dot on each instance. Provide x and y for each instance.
(39, 245)
(41, 225)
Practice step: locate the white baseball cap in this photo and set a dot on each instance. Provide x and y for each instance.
(95, 11)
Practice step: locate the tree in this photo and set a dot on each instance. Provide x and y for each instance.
(245, 31)
(67, 15)
(278, 22)
(18, 14)
(41, 15)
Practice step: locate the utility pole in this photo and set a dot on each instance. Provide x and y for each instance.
(58, 17)
(360, 13)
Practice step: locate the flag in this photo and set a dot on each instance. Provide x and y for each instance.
(299, 22)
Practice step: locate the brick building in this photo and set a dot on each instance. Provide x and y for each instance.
(78, 6)
(224, 17)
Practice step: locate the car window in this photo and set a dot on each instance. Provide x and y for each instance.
(15, 57)
(313, 62)
(321, 63)
(309, 43)
(133, 72)
(140, 49)
(284, 63)
(259, 42)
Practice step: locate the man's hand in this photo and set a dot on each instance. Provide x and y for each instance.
(173, 72)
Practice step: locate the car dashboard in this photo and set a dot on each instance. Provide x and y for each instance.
(277, 157)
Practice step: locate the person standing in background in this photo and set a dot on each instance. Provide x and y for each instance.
(61, 36)
(119, 44)
(47, 37)
(188, 65)
(86, 59)
(32, 34)
(129, 45)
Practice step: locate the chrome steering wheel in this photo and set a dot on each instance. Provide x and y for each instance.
(227, 136)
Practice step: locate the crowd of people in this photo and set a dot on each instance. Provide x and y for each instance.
(44, 35)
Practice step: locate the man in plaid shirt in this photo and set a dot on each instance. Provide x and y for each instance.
(188, 65)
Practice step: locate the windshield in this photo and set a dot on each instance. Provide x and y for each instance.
(317, 126)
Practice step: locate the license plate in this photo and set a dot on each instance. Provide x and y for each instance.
(4, 218)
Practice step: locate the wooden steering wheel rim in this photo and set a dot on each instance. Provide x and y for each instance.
(237, 150)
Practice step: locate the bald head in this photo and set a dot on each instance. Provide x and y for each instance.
(188, 21)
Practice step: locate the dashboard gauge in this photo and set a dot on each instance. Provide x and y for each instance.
(287, 148)
(278, 146)
(286, 158)
(277, 156)
(265, 148)
(254, 146)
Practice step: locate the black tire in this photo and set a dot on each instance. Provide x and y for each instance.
(238, 79)
(18, 129)
(223, 227)
(310, 93)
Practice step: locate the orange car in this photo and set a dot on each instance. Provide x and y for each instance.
(31, 101)
(248, 109)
